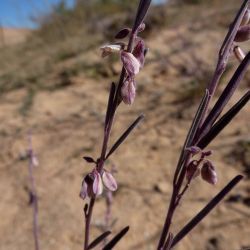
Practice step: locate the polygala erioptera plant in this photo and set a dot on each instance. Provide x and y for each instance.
(33, 199)
(205, 127)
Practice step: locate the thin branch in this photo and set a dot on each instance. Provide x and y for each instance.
(206, 210)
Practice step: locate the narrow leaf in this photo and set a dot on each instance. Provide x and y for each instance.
(223, 122)
(98, 240)
(124, 136)
(88, 159)
(116, 239)
(110, 103)
(227, 43)
(192, 131)
(226, 95)
(206, 210)
(141, 13)
(168, 242)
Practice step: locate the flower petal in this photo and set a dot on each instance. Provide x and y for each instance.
(109, 181)
(130, 63)
(138, 52)
(35, 161)
(84, 190)
(128, 91)
(110, 48)
(97, 184)
(192, 170)
(208, 173)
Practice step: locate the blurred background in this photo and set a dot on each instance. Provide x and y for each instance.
(54, 82)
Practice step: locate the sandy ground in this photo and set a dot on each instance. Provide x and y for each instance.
(10, 36)
(67, 124)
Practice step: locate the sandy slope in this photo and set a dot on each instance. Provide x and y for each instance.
(67, 124)
(10, 36)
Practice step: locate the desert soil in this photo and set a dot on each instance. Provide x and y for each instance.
(10, 36)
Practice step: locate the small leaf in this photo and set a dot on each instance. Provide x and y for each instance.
(122, 33)
(206, 210)
(116, 239)
(124, 136)
(89, 159)
(98, 240)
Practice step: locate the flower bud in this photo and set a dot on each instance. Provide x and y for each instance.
(246, 18)
(243, 34)
(128, 91)
(141, 27)
(130, 63)
(239, 54)
(192, 170)
(194, 150)
(208, 173)
(109, 181)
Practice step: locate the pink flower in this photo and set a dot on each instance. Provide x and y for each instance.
(92, 184)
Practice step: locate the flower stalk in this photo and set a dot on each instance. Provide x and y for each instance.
(33, 194)
(131, 67)
(204, 129)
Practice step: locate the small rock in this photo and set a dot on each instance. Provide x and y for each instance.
(162, 187)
